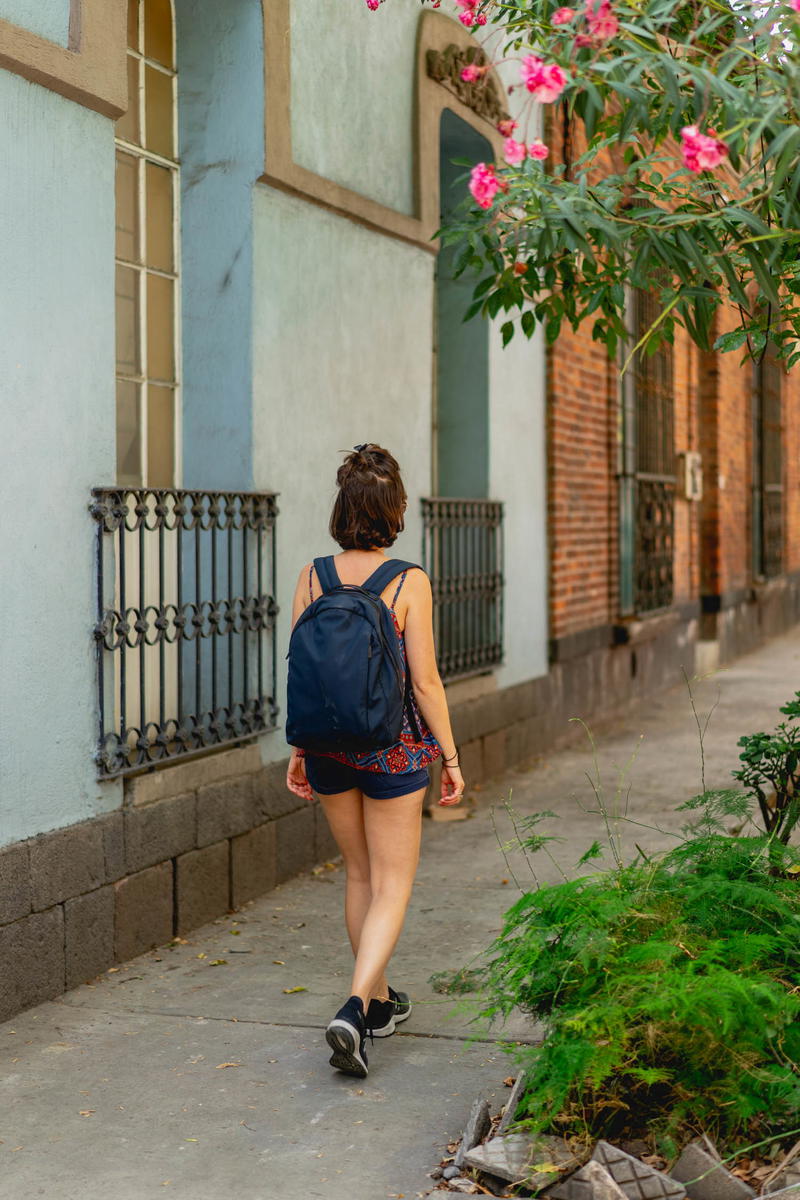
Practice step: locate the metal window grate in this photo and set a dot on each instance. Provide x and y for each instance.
(767, 473)
(185, 629)
(463, 555)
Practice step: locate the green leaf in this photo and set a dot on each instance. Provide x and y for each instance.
(507, 332)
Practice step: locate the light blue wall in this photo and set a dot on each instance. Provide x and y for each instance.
(221, 113)
(57, 401)
(47, 18)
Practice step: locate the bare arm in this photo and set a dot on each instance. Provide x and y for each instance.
(428, 687)
(296, 780)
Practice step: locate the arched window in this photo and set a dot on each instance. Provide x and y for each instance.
(147, 191)
(462, 348)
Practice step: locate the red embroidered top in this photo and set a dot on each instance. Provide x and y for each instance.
(407, 754)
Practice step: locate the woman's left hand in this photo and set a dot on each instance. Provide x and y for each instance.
(296, 780)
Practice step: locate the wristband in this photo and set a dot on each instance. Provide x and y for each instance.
(300, 753)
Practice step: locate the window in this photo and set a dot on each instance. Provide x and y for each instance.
(767, 466)
(147, 193)
(463, 529)
(462, 348)
(647, 476)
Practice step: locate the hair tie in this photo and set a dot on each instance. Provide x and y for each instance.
(360, 449)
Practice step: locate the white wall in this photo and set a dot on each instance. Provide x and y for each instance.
(57, 400)
(342, 355)
(46, 18)
(353, 95)
(518, 476)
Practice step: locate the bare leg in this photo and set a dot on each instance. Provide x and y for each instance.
(392, 828)
(345, 814)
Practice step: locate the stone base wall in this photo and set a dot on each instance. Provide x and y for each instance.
(741, 621)
(77, 900)
(199, 839)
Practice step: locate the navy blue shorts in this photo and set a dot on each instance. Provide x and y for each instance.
(328, 777)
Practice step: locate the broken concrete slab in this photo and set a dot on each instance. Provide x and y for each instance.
(520, 1158)
(787, 1180)
(592, 1182)
(512, 1104)
(705, 1178)
(637, 1180)
(477, 1126)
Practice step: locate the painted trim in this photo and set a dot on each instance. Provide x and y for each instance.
(435, 32)
(91, 71)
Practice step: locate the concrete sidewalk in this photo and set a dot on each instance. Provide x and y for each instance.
(196, 1072)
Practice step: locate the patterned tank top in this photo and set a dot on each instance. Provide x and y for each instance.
(407, 754)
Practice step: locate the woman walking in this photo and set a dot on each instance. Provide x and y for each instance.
(373, 798)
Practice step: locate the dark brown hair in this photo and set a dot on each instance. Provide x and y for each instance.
(368, 510)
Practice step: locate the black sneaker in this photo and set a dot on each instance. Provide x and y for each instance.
(384, 1015)
(346, 1035)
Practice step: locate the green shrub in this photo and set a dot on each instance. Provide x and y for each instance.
(668, 987)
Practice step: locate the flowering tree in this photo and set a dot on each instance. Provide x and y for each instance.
(676, 169)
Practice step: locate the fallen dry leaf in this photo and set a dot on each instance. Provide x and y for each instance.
(510, 1081)
(86, 1112)
(291, 991)
(201, 956)
(279, 962)
(218, 962)
(219, 1066)
(111, 970)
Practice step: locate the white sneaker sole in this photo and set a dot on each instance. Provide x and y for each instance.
(344, 1040)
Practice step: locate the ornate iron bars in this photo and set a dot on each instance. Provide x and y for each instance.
(185, 631)
(445, 67)
(462, 552)
(766, 520)
(647, 480)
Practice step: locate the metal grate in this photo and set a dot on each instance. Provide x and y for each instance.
(185, 629)
(648, 485)
(463, 555)
(767, 473)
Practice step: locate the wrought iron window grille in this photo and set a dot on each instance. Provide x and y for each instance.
(766, 520)
(462, 552)
(185, 630)
(648, 482)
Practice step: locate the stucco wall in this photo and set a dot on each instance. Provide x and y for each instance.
(353, 96)
(518, 476)
(46, 18)
(57, 396)
(342, 328)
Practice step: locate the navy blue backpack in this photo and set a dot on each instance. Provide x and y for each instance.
(348, 687)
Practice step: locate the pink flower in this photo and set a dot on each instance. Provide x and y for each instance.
(506, 128)
(373, 5)
(481, 19)
(701, 151)
(562, 16)
(514, 152)
(483, 184)
(545, 80)
(470, 4)
(602, 22)
(467, 18)
(471, 73)
(583, 39)
(537, 149)
(796, 5)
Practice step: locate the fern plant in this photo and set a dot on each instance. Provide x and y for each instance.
(668, 987)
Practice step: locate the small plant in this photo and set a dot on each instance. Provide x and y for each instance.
(770, 772)
(668, 985)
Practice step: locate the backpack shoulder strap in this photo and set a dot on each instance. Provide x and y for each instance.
(385, 573)
(326, 573)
